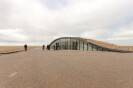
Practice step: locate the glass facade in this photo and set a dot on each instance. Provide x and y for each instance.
(74, 44)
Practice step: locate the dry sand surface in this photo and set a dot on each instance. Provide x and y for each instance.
(66, 69)
(6, 49)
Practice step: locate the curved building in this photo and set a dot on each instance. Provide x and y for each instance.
(76, 43)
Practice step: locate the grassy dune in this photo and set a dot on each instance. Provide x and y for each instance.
(112, 46)
(6, 49)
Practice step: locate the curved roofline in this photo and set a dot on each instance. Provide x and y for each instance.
(85, 40)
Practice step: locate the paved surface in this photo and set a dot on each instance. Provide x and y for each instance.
(66, 69)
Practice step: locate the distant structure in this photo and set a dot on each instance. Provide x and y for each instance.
(76, 43)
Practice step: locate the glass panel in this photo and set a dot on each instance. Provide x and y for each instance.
(85, 46)
(81, 45)
(74, 44)
(66, 44)
(100, 49)
(63, 44)
(78, 44)
(69, 45)
(57, 44)
(94, 48)
(89, 47)
(54, 44)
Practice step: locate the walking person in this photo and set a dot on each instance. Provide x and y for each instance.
(48, 47)
(43, 47)
(25, 47)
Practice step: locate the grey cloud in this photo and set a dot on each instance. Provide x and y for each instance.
(37, 23)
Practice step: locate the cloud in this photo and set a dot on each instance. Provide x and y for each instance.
(41, 21)
(12, 36)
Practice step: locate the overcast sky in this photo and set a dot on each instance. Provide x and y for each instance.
(38, 22)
